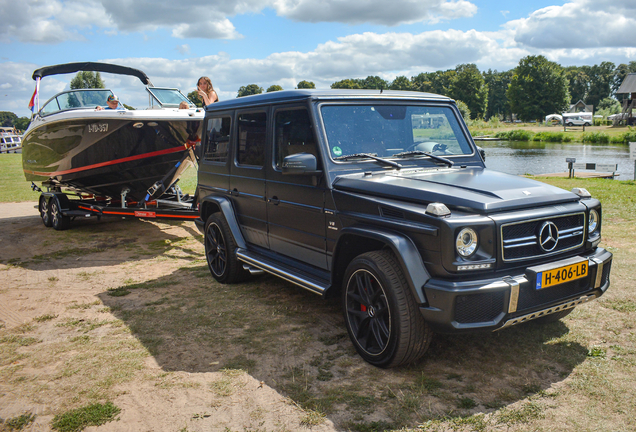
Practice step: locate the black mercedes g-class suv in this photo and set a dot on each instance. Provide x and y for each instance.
(383, 198)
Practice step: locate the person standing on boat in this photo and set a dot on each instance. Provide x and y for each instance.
(206, 91)
(113, 104)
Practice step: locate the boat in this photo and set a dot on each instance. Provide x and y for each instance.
(10, 140)
(132, 155)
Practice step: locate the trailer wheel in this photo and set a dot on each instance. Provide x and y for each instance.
(58, 220)
(45, 213)
(220, 251)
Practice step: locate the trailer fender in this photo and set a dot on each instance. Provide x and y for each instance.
(404, 250)
(225, 206)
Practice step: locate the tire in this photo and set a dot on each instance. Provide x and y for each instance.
(220, 251)
(381, 314)
(58, 220)
(553, 317)
(568, 124)
(45, 212)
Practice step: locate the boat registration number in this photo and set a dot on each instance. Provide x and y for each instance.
(98, 127)
(561, 275)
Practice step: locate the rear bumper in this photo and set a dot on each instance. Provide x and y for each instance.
(493, 304)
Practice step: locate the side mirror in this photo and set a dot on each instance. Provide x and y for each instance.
(482, 153)
(300, 163)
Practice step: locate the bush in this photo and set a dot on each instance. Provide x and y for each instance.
(595, 137)
(515, 135)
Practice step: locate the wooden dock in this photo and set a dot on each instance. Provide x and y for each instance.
(580, 174)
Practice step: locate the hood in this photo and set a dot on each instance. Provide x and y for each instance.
(479, 189)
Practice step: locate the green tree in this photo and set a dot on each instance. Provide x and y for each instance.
(346, 84)
(306, 85)
(7, 118)
(610, 104)
(401, 83)
(578, 82)
(87, 80)
(434, 82)
(274, 88)
(463, 109)
(497, 83)
(601, 79)
(194, 97)
(22, 123)
(538, 87)
(374, 82)
(469, 87)
(251, 89)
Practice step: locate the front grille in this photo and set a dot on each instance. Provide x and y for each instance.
(520, 240)
(529, 297)
(475, 308)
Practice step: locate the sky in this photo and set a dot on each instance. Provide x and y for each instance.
(266, 42)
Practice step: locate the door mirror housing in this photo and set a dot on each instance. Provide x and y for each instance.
(300, 163)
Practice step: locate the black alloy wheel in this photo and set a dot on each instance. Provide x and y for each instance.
(220, 251)
(45, 213)
(215, 250)
(380, 311)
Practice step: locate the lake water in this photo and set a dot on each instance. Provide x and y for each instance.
(519, 157)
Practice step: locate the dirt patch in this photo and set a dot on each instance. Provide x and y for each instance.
(125, 311)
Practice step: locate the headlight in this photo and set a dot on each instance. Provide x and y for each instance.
(592, 223)
(466, 242)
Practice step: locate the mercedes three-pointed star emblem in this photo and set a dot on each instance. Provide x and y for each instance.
(548, 236)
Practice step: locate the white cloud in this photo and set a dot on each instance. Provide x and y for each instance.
(578, 24)
(183, 49)
(374, 11)
(55, 21)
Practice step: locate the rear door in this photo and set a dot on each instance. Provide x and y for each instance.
(247, 180)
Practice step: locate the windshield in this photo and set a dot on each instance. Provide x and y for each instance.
(393, 131)
(76, 99)
(168, 98)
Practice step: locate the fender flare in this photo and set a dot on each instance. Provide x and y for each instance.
(60, 197)
(225, 205)
(405, 251)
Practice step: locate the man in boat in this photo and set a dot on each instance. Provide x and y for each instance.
(113, 104)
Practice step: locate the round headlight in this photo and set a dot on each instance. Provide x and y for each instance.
(592, 223)
(466, 242)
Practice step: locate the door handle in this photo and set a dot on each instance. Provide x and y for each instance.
(234, 192)
(274, 200)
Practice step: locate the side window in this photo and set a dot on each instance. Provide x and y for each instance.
(294, 134)
(252, 128)
(218, 139)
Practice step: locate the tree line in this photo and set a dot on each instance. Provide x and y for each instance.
(535, 88)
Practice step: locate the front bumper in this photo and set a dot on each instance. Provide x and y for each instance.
(493, 304)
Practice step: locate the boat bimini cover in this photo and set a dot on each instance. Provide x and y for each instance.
(93, 67)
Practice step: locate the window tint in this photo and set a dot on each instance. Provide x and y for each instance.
(251, 139)
(294, 134)
(218, 139)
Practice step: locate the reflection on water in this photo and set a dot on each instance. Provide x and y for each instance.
(522, 157)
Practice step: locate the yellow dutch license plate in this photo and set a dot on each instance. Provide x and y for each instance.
(561, 275)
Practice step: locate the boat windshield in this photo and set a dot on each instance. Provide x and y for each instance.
(168, 97)
(392, 131)
(81, 98)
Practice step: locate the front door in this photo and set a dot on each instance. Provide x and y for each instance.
(294, 204)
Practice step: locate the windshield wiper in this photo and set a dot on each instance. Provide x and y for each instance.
(448, 162)
(370, 156)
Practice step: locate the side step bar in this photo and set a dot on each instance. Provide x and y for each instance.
(290, 274)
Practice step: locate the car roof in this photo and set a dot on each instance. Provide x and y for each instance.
(318, 95)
